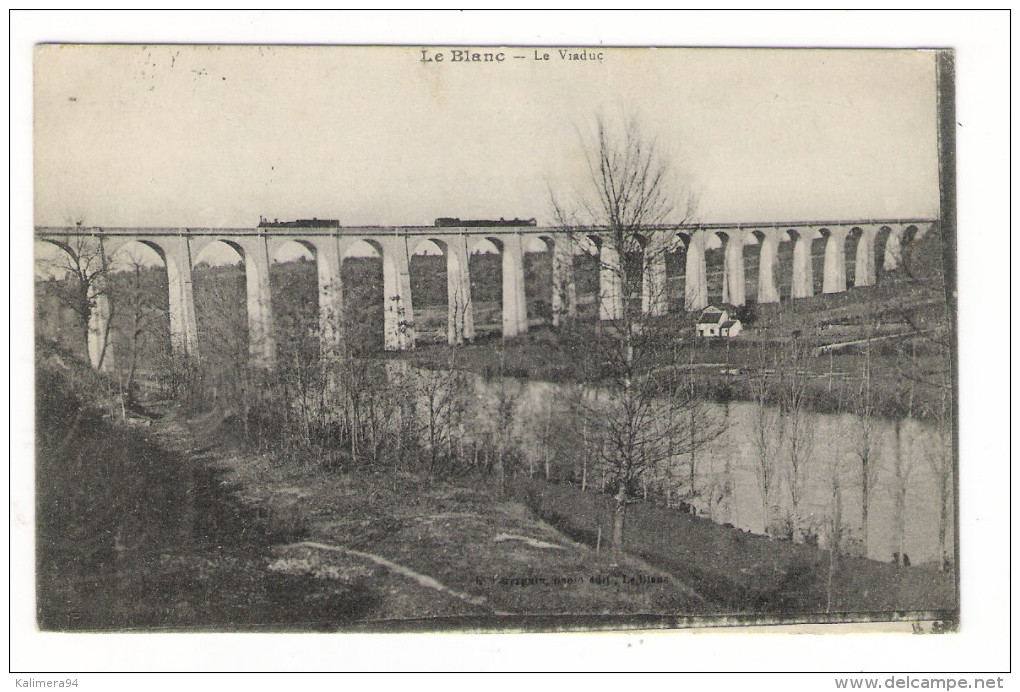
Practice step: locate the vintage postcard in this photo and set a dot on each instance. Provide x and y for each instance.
(453, 338)
(513, 338)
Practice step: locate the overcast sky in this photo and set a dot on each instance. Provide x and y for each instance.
(216, 136)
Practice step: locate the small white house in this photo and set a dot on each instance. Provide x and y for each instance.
(715, 322)
(730, 328)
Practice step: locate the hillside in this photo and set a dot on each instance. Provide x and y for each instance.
(166, 521)
(908, 303)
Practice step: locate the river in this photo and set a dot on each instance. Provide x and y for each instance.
(726, 471)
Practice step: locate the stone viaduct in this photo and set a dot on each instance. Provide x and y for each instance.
(329, 243)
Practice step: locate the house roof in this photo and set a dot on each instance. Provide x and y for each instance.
(728, 324)
(710, 317)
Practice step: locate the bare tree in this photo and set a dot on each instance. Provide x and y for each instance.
(141, 319)
(85, 290)
(556, 438)
(223, 375)
(902, 468)
(632, 205)
(923, 378)
(571, 435)
(643, 424)
(833, 528)
(768, 429)
(546, 431)
(799, 424)
(865, 442)
(940, 460)
(925, 390)
(924, 382)
(298, 371)
(705, 416)
(500, 415)
(381, 417)
(902, 461)
(442, 399)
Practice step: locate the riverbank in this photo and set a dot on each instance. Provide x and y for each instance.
(741, 571)
(910, 374)
(723, 370)
(161, 521)
(172, 527)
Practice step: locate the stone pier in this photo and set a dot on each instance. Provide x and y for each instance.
(803, 276)
(834, 276)
(460, 320)
(768, 259)
(696, 285)
(328, 241)
(864, 258)
(564, 288)
(654, 299)
(515, 307)
(733, 268)
(610, 282)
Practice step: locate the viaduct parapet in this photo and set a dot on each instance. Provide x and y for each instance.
(330, 244)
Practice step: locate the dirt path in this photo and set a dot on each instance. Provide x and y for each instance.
(422, 579)
(413, 552)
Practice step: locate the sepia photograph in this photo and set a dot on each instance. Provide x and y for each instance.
(450, 338)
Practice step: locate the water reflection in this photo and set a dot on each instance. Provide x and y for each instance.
(906, 456)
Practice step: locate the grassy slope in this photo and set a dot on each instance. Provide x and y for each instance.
(455, 533)
(131, 535)
(152, 527)
(743, 572)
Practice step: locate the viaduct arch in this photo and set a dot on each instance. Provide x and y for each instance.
(178, 248)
